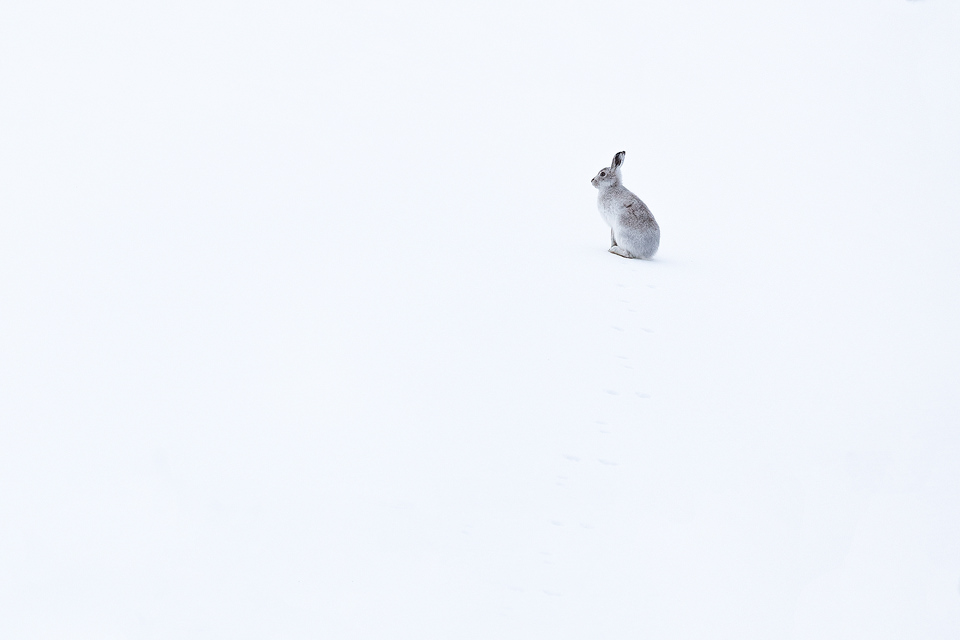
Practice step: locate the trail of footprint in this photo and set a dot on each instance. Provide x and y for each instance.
(570, 457)
(631, 307)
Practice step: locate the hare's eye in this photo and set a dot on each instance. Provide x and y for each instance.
(603, 174)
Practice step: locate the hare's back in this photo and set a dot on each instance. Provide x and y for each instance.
(638, 208)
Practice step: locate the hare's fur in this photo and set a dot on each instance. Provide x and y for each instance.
(633, 231)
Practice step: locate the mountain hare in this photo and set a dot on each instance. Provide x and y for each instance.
(633, 231)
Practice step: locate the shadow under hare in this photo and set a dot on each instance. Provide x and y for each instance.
(633, 231)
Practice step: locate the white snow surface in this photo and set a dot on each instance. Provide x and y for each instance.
(308, 328)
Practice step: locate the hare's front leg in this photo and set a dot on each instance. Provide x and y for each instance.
(616, 249)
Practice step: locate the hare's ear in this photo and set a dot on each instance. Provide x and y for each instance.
(618, 160)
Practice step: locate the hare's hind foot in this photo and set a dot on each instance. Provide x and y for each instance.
(620, 251)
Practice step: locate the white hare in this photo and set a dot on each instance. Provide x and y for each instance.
(633, 231)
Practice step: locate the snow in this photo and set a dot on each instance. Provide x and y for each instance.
(309, 329)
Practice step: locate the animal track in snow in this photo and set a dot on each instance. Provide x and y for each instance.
(642, 395)
(611, 392)
(609, 463)
(572, 458)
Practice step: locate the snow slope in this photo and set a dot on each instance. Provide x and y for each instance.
(309, 330)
